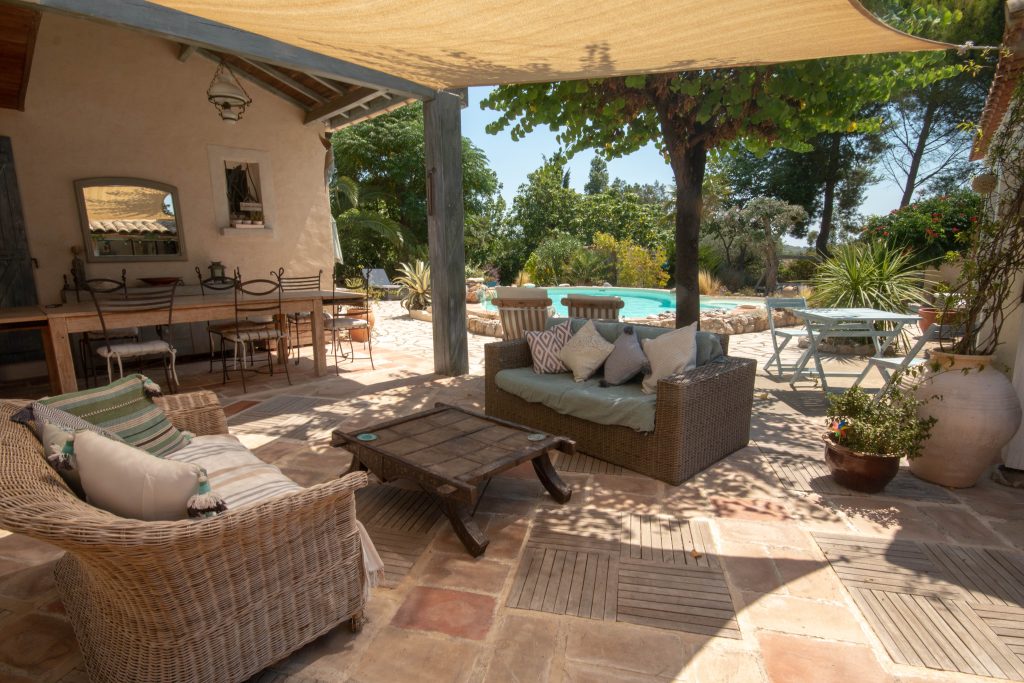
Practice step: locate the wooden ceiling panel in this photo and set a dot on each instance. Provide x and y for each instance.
(18, 28)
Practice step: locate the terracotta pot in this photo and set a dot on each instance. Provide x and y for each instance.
(978, 413)
(865, 472)
(927, 315)
(366, 313)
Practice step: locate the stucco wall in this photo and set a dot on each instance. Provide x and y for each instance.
(105, 101)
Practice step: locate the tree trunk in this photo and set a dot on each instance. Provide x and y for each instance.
(688, 163)
(828, 201)
(915, 160)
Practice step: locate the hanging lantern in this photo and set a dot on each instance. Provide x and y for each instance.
(227, 94)
(216, 270)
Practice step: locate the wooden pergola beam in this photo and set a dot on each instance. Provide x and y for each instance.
(381, 106)
(286, 79)
(216, 58)
(337, 105)
(185, 28)
(442, 131)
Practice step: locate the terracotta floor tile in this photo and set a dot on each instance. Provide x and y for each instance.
(455, 613)
(36, 644)
(636, 649)
(459, 571)
(29, 583)
(397, 655)
(749, 509)
(959, 525)
(528, 647)
(794, 659)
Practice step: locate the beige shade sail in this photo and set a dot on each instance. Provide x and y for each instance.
(454, 43)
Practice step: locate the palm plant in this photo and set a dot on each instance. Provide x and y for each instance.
(589, 267)
(415, 282)
(350, 206)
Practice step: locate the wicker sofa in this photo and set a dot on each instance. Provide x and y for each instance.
(215, 599)
(701, 416)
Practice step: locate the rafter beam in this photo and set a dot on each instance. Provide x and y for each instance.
(328, 83)
(185, 52)
(378, 107)
(214, 57)
(286, 79)
(186, 28)
(338, 105)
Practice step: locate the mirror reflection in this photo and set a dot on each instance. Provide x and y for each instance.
(127, 219)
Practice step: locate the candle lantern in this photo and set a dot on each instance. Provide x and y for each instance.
(216, 270)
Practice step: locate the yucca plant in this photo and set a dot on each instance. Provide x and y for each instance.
(415, 282)
(868, 275)
(589, 267)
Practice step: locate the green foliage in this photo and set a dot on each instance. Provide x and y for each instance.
(415, 281)
(385, 158)
(589, 267)
(797, 270)
(770, 219)
(598, 180)
(931, 228)
(635, 266)
(549, 264)
(889, 426)
(868, 275)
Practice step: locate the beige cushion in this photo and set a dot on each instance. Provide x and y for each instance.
(135, 349)
(521, 293)
(586, 352)
(670, 354)
(132, 483)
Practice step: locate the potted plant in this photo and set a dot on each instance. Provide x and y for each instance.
(979, 410)
(867, 438)
(362, 334)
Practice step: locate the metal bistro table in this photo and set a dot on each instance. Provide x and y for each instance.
(845, 323)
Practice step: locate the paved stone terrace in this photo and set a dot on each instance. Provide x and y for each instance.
(758, 569)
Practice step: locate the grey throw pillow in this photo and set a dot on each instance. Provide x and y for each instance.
(626, 360)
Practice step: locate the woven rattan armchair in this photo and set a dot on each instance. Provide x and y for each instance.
(701, 416)
(217, 599)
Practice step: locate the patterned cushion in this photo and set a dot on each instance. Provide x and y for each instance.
(544, 348)
(585, 352)
(124, 408)
(235, 473)
(626, 360)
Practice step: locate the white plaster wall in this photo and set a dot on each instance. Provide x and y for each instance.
(106, 101)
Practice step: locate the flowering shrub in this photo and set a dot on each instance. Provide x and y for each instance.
(931, 227)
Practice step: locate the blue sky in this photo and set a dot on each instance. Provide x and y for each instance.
(512, 161)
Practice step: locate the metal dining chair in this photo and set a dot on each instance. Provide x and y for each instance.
(158, 300)
(890, 368)
(213, 285)
(300, 283)
(254, 298)
(102, 287)
(786, 335)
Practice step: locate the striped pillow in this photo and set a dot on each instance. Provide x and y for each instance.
(544, 348)
(124, 408)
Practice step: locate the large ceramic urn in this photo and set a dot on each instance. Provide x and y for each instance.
(977, 413)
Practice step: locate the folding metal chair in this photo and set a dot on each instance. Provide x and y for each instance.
(891, 367)
(786, 335)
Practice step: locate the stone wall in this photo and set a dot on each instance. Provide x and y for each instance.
(743, 319)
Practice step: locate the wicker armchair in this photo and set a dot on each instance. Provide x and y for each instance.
(216, 599)
(701, 416)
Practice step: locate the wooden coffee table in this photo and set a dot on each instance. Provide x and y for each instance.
(452, 453)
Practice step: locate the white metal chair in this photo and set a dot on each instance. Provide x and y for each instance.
(147, 300)
(890, 367)
(593, 307)
(786, 335)
(522, 310)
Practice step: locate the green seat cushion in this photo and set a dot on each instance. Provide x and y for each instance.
(709, 347)
(625, 405)
(125, 408)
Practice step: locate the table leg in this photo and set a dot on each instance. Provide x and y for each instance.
(549, 477)
(465, 527)
(51, 359)
(355, 466)
(817, 358)
(63, 358)
(316, 320)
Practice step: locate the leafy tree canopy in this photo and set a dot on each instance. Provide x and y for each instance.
(598, 180)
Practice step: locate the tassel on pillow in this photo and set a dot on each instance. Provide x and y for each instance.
(205, 503)
(151, 388)
(64, 460)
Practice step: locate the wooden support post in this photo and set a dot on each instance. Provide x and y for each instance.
(442, 130)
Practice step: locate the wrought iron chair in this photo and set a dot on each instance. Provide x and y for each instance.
(786, 335)
(259, 297)
(102, 287)
(153, 300)
(300, 283)
(522, 310)
(593, 307)
(213, 285)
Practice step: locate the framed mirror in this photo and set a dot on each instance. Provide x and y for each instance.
(130, 219)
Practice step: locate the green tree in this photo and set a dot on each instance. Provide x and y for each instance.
(550, 263)
(385, 157)
(598, 180)
(688, 114)
(771, 219)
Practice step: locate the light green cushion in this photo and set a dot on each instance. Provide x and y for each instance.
(125, 408)
(709, 347)
(624, 405)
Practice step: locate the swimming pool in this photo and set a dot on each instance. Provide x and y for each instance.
(640, 303)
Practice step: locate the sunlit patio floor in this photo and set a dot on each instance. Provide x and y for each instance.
(758, 569)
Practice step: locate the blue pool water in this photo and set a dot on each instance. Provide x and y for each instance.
(640, 303)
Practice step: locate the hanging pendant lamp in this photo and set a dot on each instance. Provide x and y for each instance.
(227, 94)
